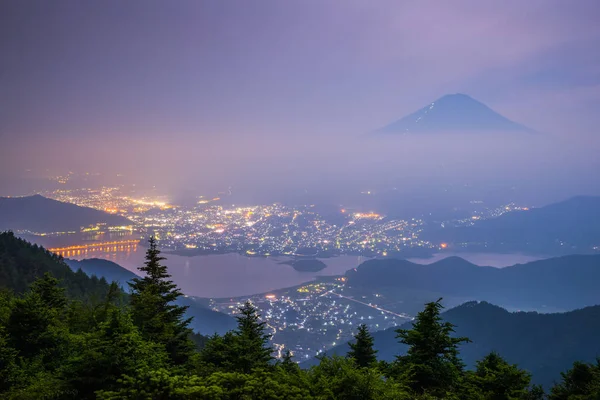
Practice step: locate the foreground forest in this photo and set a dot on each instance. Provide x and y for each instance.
(64, 335)
(543, 344)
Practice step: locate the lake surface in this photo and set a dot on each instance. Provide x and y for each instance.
(225, 275)
(230, 275)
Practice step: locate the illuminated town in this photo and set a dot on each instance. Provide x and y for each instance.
(308, 319)
(211, 227)
(274, 229)
(312, 318)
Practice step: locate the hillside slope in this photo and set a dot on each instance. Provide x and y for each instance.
(22, 262)
(570, 226)
(40, 214)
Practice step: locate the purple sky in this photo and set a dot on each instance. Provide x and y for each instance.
(87, 80)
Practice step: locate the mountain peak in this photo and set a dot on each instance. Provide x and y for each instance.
(454, 262)
(456, 96)
(456, 112)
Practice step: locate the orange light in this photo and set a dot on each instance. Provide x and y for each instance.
(444, 245)
(93, 245)
(367, 215)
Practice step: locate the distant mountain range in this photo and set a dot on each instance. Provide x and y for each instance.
(571, 226)
(457, 113)
(40, 214)
(544, 344)
(562, 283)
(205, 320)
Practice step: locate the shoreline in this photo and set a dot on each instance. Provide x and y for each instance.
(414, 254)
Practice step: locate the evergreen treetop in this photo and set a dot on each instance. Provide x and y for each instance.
(362, 351)
(432, 363)
(154, 310)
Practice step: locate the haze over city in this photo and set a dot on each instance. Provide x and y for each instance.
(278, 100)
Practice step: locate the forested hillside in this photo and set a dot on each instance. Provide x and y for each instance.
(543, 344)
(22, 263)
(55, 346)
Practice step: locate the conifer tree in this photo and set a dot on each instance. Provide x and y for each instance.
(251, 341)
(8, 361)
(154, 311)
(431, 363)
(288, 363)
(582, 381)
(499, 380)
(115, 349)
(50, 292)
(33, 326)
(361, 351)
(243, 349)
(113, 295)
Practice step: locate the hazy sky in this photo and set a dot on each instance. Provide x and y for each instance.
(84, 83)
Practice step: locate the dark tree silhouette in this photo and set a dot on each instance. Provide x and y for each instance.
(362, 351)
(154, 310)
(431, 363)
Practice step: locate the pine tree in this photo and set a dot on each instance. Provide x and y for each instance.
(8, 361)
(251, 342)
(154, 311)
(115, 349)
(582, 381)
(499, 380)
(50, 292)
(288, 364)
(241, 350)
(218, 354)
(111, 301)
(431, 363)
(34, 326)
(361, 351)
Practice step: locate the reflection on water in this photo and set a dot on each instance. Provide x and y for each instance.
(91, 250)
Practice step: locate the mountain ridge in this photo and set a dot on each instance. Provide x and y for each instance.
(566, 282)
(40, 214)
(569, 226)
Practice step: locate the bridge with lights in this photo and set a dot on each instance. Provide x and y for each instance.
(96, 247)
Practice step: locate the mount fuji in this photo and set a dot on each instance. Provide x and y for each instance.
(454, 113)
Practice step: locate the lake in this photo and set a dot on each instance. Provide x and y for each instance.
(231, 275)
(225, 275)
